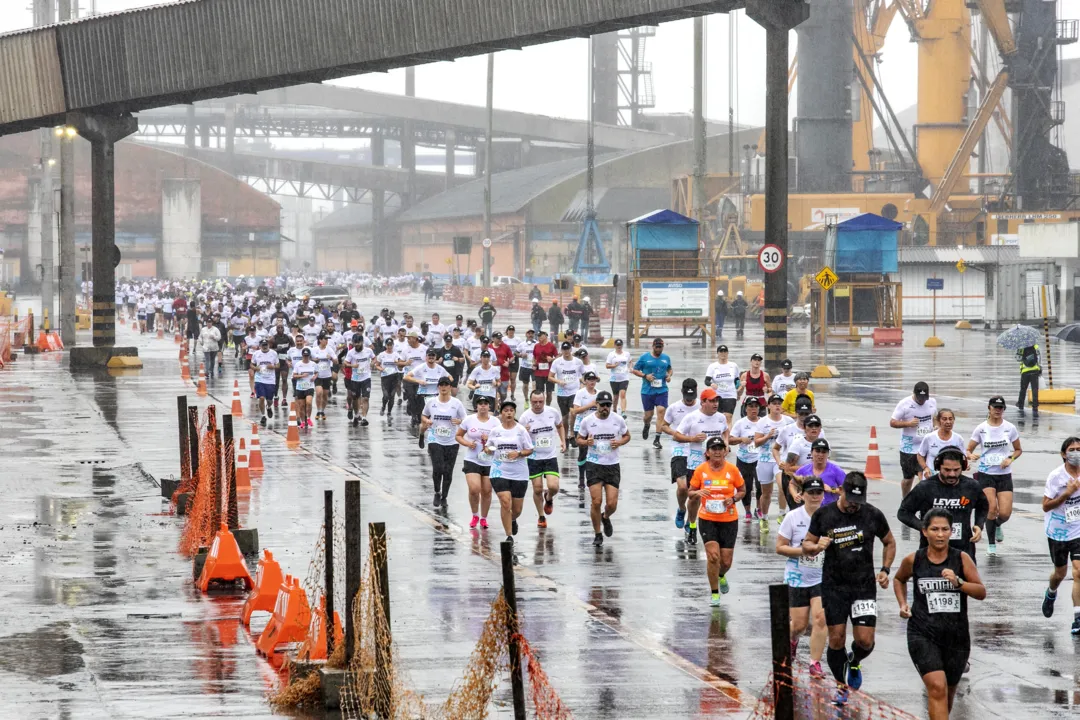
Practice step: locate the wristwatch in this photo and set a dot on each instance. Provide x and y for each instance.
(886, 570)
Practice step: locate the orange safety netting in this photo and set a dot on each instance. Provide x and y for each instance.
(814, 698)
(9, 328)
(205, 507)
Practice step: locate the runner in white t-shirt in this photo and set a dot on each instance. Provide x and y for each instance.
(995, 445)
(619, 363)
(472, 434)
(603, 433)
(803, 575)
(510, 445)
(768, 468)
(359, 358)
(673, 415)
(264, 363)
(695, 430)
(584, 403)
(914, 418)
(441, 417)
(723, 376)
(545, 426)
(746, 453)
(938, 440)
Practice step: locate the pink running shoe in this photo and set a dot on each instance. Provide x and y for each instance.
(475, 521)
(815, 669)
(483, 523)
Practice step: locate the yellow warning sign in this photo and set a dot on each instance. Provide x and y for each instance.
(826, 278)
(961, 266)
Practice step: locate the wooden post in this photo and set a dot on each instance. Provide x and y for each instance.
(783, 680)
(182, 426)
(215, 486)
(383, 657)
(328, 555)
(193, 442)
(233, 511)
(354, 567)
(517, 682)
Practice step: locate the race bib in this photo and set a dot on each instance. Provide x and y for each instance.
(484, 456)
(696, 458)
(449, 363)
(992, 459)
(543, 366)
(864, 608)
(603, 447)
(1072, 513)
(923, 431)
(815, 562)
(717, 507)
(264, 368)
(486, 388)
(324, 365)
(543, 443)
(943, 602)
(444, 431)
(305, 384)
(283, 356)
(504, 455)
(957, 531)
(657, 382)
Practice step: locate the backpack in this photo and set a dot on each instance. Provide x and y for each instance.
(1030, 356)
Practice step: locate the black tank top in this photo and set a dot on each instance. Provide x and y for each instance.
(940, 609)
(755, 386)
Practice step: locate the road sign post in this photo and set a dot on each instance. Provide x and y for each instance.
(934, 284)
(962, 323)
(826, 278)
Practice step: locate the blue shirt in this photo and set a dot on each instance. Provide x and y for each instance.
(649, 364)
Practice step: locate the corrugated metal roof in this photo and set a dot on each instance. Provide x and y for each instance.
(354, 216)
(34, 88)
(981, 255)
(200, 49)
(617, 205)
(511, 191)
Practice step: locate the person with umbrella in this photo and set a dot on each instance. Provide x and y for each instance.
(1024, 340)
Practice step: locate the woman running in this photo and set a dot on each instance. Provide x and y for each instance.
(511, 444)
(937, 441)
(997, 443)
(442, 415)
(937, 631)
(473, 435)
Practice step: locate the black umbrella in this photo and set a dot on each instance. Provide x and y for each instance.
(1069, 333)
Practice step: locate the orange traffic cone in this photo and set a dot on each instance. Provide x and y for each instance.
(255, 462)
(290, 620)
(185, 366)
(120, 316)
(243, 476)
(292, 438)
(263, 596)
(225, 562)
(237, 407)
(201, 388)
(183, 351)
(177, 338)
(873, 462)
(160, 333)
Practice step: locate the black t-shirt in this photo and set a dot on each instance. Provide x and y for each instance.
(281, 343)
(451, 355)
(960, 501)
(849, 559)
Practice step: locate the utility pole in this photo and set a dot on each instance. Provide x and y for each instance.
(487, 167)
(699, 126)
(68, 11)
(44, 15)
(984, 40)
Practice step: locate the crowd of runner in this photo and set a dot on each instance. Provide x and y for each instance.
(735, 440)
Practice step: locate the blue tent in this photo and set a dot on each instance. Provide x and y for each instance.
(867, 243)
(662, 230)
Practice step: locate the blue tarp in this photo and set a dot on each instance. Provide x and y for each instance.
(663, 230)
(666, 217)
(867, 244)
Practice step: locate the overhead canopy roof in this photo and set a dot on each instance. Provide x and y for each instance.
(663, 217)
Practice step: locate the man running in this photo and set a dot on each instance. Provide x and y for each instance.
(914, 417)
(425, 380)
(452, 359)
(358, 360)
(938, 638)
(282, 343)
(950, 490)
(389, 365)
(723, 376)
(716, 486)
(603, 433)
(655, 370)
(803, 575)
(265, 364)
(584, 404)
(673, 415)
(545, 427)
(566, 372)
(484, 379)
(304, 373)
(845, 531)
(1061, 521)
(544, 353)
(696, 429)
(528, 361)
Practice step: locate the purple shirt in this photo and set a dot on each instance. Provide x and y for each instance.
(832, 476)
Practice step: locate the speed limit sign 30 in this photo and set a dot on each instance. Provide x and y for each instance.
(770, 258)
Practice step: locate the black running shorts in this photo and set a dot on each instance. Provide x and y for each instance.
(723, 533)
(931, 656)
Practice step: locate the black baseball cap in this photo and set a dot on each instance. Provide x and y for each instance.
(482, 399)
(432, 353)
(755, 400)
(577, 338)
(855, 486)
(507, 403)
(774, 398)
(756, 356)
(922, 389)
(484, 338)
(590, 376)
(812, 420)
(264, 341)
(618, 342)
(603, 398)
(689, 386)
(448, 337)
(495, 334)
(997, 402)
(530, 330)
(510, 327)
(485, 354)
(715, 442)
(446, 381)
(803, 403)
(820, 444)
(459, 317)
(581, 352)
(357, 339)
(813, 484)
(721, 348)
(786, 364)
(658, 341)
(566, 346)
(306, 352)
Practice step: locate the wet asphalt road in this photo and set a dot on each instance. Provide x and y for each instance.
(101, 620)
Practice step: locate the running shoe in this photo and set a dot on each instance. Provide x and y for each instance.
(263, 421)
(474, 522)
(724, 587)
(549, 504)
(691, 535)
(363, 422)
(252, 395)
(645, 432)
(350, 413)
(1048, 603)
(757, 514)
(483, 523)
(356, 422)
(764, 524)
(656, 443)
(509, 539)
(680, 518)
(749, 517)
(780, 517)
(815, 669)
(841, 696)
(436, 500)
(1075, 625)
(999, 534)
(598, 540)
(794, 647)
(513, 527)
(275, 402)
(269, 412)
(991, 549)
(608, 529)
(423, 439)
(854, 672)
(714, 600)
(541, 522)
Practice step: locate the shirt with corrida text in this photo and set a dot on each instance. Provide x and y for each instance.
(621, 361)
(801, 571)
(673, 416)
(507, 440)
(724, 376)
(429, 376)
(604, 432)
(746, 428)
(849, 558)
(486, 379)
(544, 428)
(442, 414)
(477, 431)
(362, 359)
(993, 444)
(720, 484)
(265, 364)
(569, 372)
(698, 423)
(1063, 522)
(932, 445)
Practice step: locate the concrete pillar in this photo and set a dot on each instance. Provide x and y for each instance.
(48, 254)
(1067, 274)
(68, 269)
(230, 134)
(451, 156)
(189, 130)
(181, 227)
(379, 258)
(103, 133)
(777, 19)
(204, 135)
(33, 231)
(408, 143)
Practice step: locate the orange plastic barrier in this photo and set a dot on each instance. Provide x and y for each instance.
(315, 642)
(224, 562)
(290, 620)
(292, 437)
(268, 581)
(201, 389)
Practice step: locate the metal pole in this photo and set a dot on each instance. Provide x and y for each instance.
(487, 165)
(182, 427)
(783, 696)
(517, 682)
(935, 312)
(377, 548)
(328, 555)
(699, 126)
(1046, 335)
(193, 442)
(825, 325)
(67, 216)
(353, 562)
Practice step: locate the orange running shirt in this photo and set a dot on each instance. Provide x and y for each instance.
(721, 486)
